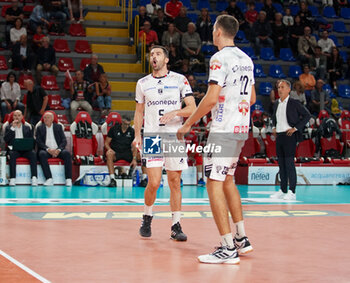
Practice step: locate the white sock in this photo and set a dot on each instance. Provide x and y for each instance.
(176, 215)
(240, 229)
(144, 176)
(148, 210)
(199, 175)
(112, 176)
(227, 240)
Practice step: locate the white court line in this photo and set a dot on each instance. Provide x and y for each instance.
(25, 268)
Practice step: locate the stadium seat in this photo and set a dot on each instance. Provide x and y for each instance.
(256, 115)
(112, 118)
(339, 26)
(250, 149)
(265, 88)
(24, 77)
(331, 143)
(278, 7)
(329, 12)
(3, 77)
(344, 91)
(242, 6)
(294, 71)
(286, 54)
(49, 83)
(213, 17)
(346, 41)
(76, 30)
(335, 40)
(66, 83)
(221, 5)
(204, 4)
(344, 55)
(266, 53)
(193, 17)
(257, 106)
(65, 64)
(62, 118)
(259, 71)
(250, 52)
(344, 122)
(294, 9)
(306, 150)
(3, 64)
(208, 50)
(55, 102)
(82, 46)
(276, 71)
(345, 13)
(328, 90)
(270, 147)
(240, 37)
(84, 63)
(27, 10)
(84, 132)
(61, 45)
(323, 114)
(3, 10)
(258, 6)
(314, 11)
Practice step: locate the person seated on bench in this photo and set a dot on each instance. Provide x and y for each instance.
(51, 143)
(18, 129)
(119, 146)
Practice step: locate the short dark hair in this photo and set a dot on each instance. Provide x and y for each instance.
(126, 117)
(11, 74)
(228, 24)
(165, 51)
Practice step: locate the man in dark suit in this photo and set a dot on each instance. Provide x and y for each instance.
(289, 119)
(51, 144)
(17, 130)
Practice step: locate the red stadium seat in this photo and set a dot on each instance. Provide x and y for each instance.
(61, 45)
(82, 46)
(112, 118)
(323, 114)
(270, 147)
(331, 143)
(55, 102)
(27, 10)
(344, 122)
(3, 77)
(249, 150)
(84, 63)
(305, 152)
(76, 30)
(65, 64)
(24, 77)
(3, 10)
(49, 83)
(3, 64)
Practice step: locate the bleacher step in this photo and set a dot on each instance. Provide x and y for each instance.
(123, 105)
(101, 2)
(122, 67)
(102, 16)
(105, 32)
(112, 49)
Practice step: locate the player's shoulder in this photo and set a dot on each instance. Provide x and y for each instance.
(173, 74)
(145, 79)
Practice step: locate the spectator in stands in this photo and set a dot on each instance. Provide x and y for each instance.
(119, 146)
(288, 19)
(326, 43)
(143, 17)
(274, 96)
(10, 95)
(12, 14)
(338, 4)
(270, 11)
(19, 130)
(298, 92)
(191, 43)
(181, 21)
(37, 102)
(17, 31)
(295, 33)
(37, 38)
(307, 79)
(319, 98)
(251, 16)
(39, 17)
(235, 11)
(318, 64)
(171, 36)
(262, 33)
(52, 142)
(152, 9)
(82, 93)
(56, 13)
(205, 27)
(327, 3)
(103, 91)
(76, 10)
(185, 68)
(93, 71)
(151, 38)
(172, 9)
(279, 34)
(198, 93)
(160, 23)
(175, 58)
(334, 67)
(306, 45)
(305, 14)
(22, 55)
(46, 59)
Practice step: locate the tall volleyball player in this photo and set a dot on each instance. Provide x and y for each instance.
(159, 96)
(231, 92)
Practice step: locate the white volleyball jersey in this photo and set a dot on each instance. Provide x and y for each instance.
(162, 95)
(233, 70)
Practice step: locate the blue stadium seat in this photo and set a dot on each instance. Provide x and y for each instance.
(199, 74)
(187, 4)
(329, 12)
(329, 90)
(344, 91)
(162, 3)
(258, 6)
(346, 41)
(294, 71)
(265, 88)
(343, 55)
(335, 40)
(203, 4)
(212, 18)
(266, 53)
(286, 54)
(314, 11)
(345, 13)
(193, 17)
(339, 26)
(240, 37)
(278, 7)
(294, 9)
(259, 71)
(257, 106)
(208, 50)
(276, 71)
(250, 52)
(242, 6)
(221, 5)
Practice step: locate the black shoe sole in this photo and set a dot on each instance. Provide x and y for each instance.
(145, 235)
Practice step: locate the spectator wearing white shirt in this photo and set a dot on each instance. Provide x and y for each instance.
(17, 31)
(152, 9)
(10, 95)
(326, 43)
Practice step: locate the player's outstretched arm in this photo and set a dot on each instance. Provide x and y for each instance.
(138, 119)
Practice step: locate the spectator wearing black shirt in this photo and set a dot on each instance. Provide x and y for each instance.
(22, 55)
(181, 21)
(160, 23)
(119, 146)
(235, 11)
(198, 92)
(12, 14)
(305, 14)
(37, 102)
(295, 32)
(175, 58)
(262, 33)
(56, 11)
(205, 26)
(270, 11)
(143, 17)
(93, 71)
(46, 59)
(334, 67)
(279, 34)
